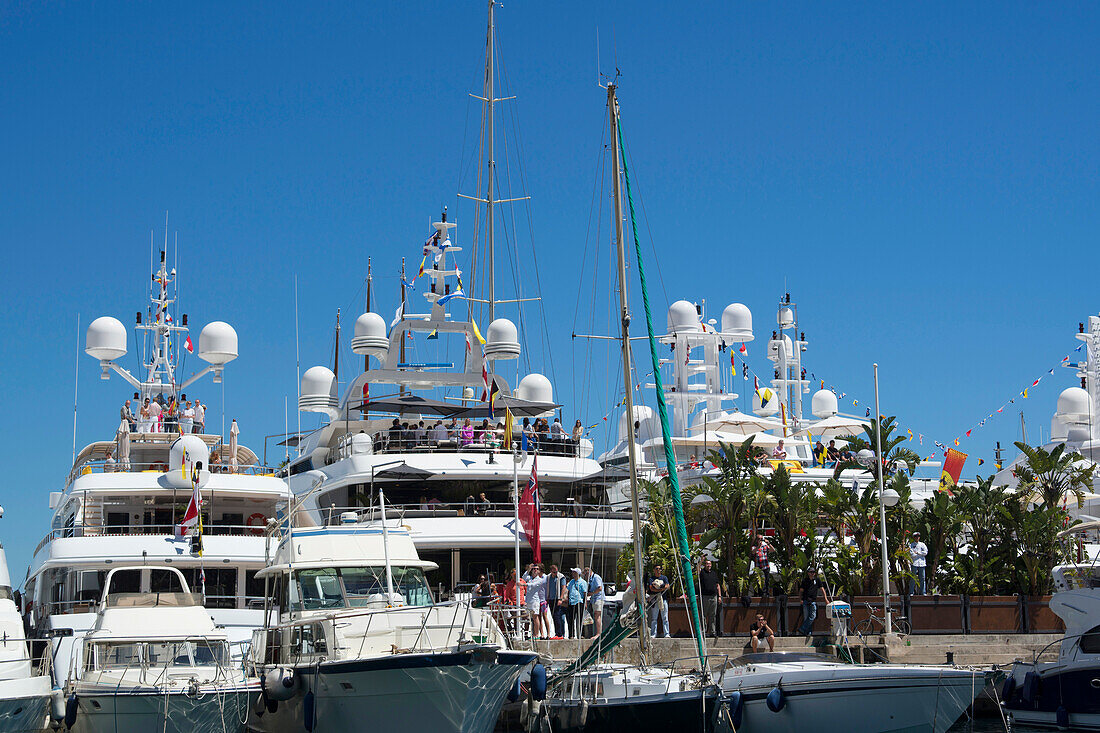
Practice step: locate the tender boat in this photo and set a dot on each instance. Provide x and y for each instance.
(1065, 693)
(359, 637)
(155, 661)
(24, 693)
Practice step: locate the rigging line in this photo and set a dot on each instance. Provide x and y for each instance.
(649, 233)
(463, 167)
(598, 188)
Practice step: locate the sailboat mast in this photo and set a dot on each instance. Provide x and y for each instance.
(366, 359)
(628, 401)
(402, 391)
(491, 173)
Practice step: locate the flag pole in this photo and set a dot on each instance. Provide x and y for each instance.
(516, 458)
(882, 515)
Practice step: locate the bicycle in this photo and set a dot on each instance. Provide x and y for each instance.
(898, 623)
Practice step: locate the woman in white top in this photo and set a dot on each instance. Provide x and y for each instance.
(187, 417)
(155, 411)
(145, 418)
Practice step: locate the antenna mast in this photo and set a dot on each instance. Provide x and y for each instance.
(489, 134)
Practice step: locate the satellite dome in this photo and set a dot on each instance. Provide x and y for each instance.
(502, 340)
(370, 336)
(682, 317)
(218, 343)
(785, 316)
(1058, 429)
(760, 406)
(648, 424)
(823, 403)
(535, 388)
(1074, 406)
(866, 457)
(318, 390)
(737, 322)
(777, 347)
(1077, 434)
(184, 455)
(106, 339)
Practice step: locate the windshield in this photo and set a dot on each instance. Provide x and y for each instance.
(356, 587)
(163, 654)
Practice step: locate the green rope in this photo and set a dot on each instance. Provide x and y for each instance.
(666, 432)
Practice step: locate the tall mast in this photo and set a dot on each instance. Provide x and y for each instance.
(628, 401)
(366, 359)
(490, 175)
(336, 350)
(402, 316)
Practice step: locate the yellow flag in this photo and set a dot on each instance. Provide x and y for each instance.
(508, 422)
(477, 332)
(1025, 393)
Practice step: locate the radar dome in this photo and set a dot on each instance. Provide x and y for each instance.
(780, 346)
(765, 401)
(823, 403)
(535, 388)
(183, 458)
(106, 339)
(370, 336)
(1077, 434)
(737, 322)
(1074, 406)
(648, 424)
(218, 343)
(318, 390)
(785, 317)
(1058, 429)
(501, 340)
(682, 317)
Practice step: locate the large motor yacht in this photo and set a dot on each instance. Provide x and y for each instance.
(125, 496)
(24, 690)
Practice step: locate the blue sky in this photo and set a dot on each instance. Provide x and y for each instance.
(922, 179)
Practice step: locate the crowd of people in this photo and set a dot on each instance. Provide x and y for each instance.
(540, 434)
(162, 414)
(556, 605)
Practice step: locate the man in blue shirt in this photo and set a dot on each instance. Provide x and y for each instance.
(595, 598)
(577, 590)
(555, 598)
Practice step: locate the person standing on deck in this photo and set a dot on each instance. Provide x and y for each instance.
(577, 590)
(596, 598)
(656, 586)
(918, 551)
(557, 599)
(811, 587)
(710, 588)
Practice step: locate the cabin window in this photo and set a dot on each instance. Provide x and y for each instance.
(307, 640)
(115, 656)
(320, 588)
(186, 654)
(253, 589)
(1090, 641)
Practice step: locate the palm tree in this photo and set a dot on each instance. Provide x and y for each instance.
(981, 507)
(940, 522)
(1051, 475)
(892, 449)
(793, 514)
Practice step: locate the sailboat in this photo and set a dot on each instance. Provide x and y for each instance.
(776, 692)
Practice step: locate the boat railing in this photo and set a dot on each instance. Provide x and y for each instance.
(334, 515)
(491, 441)
(121, 530)
(117, 466)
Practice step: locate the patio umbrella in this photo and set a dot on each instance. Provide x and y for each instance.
(233, 432)
(410, 404)
(123, 439)
(836, 426)
(740, 422)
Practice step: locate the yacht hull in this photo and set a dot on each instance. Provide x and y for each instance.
(137, 711)
(453, 692)
(24, 704)
(1071, 688)
(883, 698)
(691, 710)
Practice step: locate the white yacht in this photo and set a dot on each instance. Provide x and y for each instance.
(24, 689)
(154, 660)
(699, 386)
(125, 496)
(1065, 693)
(359, 637)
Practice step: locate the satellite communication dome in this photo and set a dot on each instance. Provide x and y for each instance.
(535, 388)
(218, 343)
(649, 425)
(370, 336)
(1058, 429)
(502, 340)
(682, 317)
(760, 406)
(318, 390)
(1077, 434)
(183, 457)
(866, 457)
(777, 347)
(823, 403)
(785, 317)
(106, 339)
(1074, 406)
(737, 322)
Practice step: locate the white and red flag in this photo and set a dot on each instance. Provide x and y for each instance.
(529, 512)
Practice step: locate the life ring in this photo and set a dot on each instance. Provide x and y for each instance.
(257, 522)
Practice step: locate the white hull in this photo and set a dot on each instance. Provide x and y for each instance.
(441, 693)
(212, 711)
(882, 698)
(24, 704)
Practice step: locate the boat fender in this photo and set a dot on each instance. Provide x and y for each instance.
(516, 692)
(1009, 689)
(736, 708)
(259, 706)
(309, 711)
(57, 704)
(538, 682)
(776, 699)
(280, 684)
(1061, 716)
(1029, 693)
(71, 706)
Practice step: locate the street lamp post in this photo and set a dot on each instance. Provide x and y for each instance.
(882, 502)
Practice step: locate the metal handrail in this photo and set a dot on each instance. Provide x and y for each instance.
(385, 443)
(121, 530)
(103, 466)
(574, 510)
